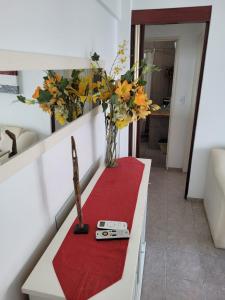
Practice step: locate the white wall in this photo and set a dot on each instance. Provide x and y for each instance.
(151, 4)
(13, 112)
(187, 36)
(199, 52)
(211, 121)
(32, 197)
(123, 29)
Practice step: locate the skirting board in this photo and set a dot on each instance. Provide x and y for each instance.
(141, 272)
(196, 200)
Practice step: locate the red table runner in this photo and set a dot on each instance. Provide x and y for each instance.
(84, 266)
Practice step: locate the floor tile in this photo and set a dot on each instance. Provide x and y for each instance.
(155, 264)
(213, 292)
(153, 288)
(206, 247)
(177, 289)
(181, 260)
(214, 270)
(184, 265)
(182, 241)
(156, 237)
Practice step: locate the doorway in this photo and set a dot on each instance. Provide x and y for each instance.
(140, 20)
(155, 128)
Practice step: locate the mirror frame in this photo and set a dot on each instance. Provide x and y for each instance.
(16, 60)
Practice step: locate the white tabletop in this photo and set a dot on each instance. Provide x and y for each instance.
(43, 281)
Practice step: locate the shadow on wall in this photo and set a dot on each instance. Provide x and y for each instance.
(14, 289)
(43, 189)
(200, 164)
(69, 204)
(93, 139)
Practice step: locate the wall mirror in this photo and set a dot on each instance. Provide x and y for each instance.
(34, 104)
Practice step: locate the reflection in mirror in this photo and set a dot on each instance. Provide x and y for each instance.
(34, 104)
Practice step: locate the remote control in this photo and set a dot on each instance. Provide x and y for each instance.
(112, 234)
(106, 224)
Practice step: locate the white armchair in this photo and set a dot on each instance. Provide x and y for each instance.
(24, 139)
(214, 200)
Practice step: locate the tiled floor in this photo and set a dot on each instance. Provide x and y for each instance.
(181, 262)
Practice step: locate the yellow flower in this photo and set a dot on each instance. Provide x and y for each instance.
(117, 70)
(58, 77)
(60, 102)
(123, 123)
(45, 107)
(155, 107)
(94, 98)
(122, 48)
(123, 90)
(102, 84)
(60, 118)
(105, 95)
(142, 113)
(36, 93)
(77, 113)
(140, 97)
(123, 59)
(83, 98)
(82, 88)
(52, 101)
(120, 51)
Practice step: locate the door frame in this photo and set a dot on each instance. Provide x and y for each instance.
(166, 16)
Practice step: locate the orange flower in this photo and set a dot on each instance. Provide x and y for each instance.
(45, 107)
(140, 97)
(49, 81)
(53, 90)
(123, 90)
(36, 93)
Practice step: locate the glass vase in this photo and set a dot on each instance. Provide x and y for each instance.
(111, 137)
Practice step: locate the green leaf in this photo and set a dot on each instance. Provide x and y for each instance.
(113, 99)
(21, 98)
(95, 57)
(51, 73)
(129, 76)
(63, 84)
(44, 97)
(104, 106)
(75, 74)
(154, 68)
(142, 82)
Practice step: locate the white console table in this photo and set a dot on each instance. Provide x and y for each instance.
(42, 284)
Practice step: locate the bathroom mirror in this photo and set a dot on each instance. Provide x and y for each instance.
(25, 118)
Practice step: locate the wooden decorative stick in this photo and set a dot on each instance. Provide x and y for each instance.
(79, 228)
(14, 145)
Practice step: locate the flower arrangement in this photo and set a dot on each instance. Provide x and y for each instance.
(65, 97)
(122, 97)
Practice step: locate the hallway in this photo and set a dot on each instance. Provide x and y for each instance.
(181, 262)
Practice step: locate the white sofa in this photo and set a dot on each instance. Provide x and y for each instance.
(24, 139)
(214, 200)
